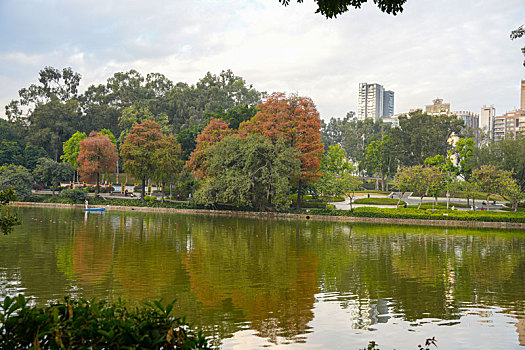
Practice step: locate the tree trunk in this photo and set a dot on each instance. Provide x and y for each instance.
(420, 202)
(299, 189)
(163, 185)
(382, 181)
(143, 190)
(98, 184)
(399, 201)
(488, 203)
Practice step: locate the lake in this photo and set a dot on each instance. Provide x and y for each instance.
(259, 283)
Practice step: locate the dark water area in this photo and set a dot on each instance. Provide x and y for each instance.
(258, 283)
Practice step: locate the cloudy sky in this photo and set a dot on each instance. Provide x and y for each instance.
(458, 50)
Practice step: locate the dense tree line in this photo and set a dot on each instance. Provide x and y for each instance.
(46, 114)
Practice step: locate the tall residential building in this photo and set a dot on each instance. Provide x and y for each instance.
(388, 103)
(374, 102)
(486, 120)
(509, 124)
(523, 94)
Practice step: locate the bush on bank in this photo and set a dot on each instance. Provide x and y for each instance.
(90, 324)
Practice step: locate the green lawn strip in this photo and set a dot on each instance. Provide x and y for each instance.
(441, 205)
(378, 201)
(364, 193)
(427, 214)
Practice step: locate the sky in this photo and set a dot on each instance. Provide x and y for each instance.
(456, 50)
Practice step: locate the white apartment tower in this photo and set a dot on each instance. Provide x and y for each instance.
(486, 119)
(374, 102)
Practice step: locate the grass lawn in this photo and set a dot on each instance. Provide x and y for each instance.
(441, 205)
(378, 201)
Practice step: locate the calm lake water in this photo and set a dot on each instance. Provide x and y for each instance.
(267, 283)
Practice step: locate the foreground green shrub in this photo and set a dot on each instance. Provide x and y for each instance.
(90, 324)
(76, 195)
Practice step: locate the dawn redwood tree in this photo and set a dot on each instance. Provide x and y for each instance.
(214, 132)
(138, 151)
(97, 155)
(295, 119)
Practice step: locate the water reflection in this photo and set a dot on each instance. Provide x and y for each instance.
(255, 283)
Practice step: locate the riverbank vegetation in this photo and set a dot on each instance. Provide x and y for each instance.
(82, 323)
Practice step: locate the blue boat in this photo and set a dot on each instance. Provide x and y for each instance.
(95, 209)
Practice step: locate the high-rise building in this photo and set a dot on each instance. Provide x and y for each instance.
(388, 103)
(523, 94)
(372, 102)
(486, 120)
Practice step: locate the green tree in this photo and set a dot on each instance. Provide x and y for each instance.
(516, 34)
(17, 178)
(138, 151)
(333, 8)
(337, 179)
(491, 180)
(168, 162)
(10, 153)
(31, 156)
(379, 159)
(421, 136)
(71, 147)
(250, 171)
(7, 220)
(333, 133)
(50, 172)
(422, 180)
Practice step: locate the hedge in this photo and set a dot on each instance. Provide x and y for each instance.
(428, 214)
(91, 324)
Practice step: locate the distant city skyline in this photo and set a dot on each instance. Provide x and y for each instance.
(459, 51)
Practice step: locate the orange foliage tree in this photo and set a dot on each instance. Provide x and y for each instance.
(214, 132)
(295, 119)
(97, 155)
(138, 151)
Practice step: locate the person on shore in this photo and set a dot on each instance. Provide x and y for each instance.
(86, 203)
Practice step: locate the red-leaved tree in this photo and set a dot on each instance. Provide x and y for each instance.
(214, 132)
(138, 151)
(97, 156)
(295, 119)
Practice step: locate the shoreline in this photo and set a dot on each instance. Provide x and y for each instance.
(289, 216)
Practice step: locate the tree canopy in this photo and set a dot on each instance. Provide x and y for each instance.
(333, 8)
